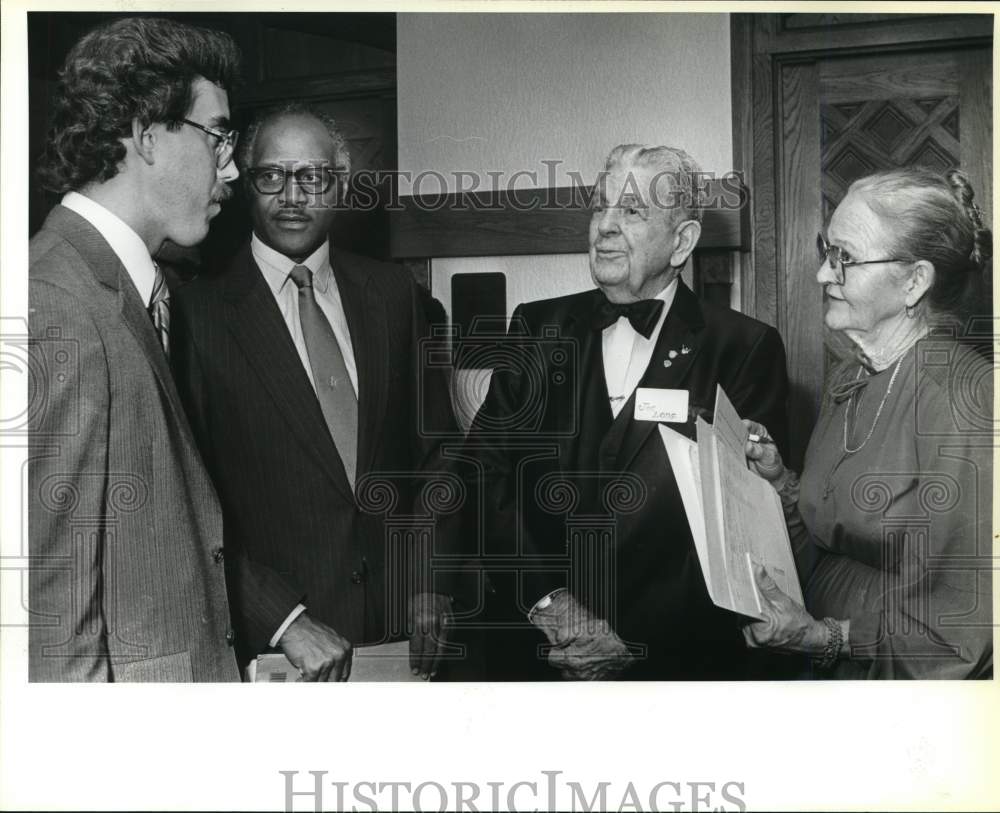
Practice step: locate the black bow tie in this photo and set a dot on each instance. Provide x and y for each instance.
(642, 315)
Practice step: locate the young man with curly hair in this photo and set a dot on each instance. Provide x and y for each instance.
(126, 575)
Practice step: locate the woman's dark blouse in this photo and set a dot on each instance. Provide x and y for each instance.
(896, 536)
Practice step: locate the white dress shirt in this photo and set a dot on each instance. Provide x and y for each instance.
(125, 243)
(276, 268)
(627, 352)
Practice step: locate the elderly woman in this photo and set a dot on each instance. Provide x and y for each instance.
(890, 523)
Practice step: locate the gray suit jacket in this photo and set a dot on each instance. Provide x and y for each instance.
(125, 530)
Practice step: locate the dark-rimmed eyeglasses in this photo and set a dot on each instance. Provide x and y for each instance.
(270, 180)
(225, 142)
(838, 259)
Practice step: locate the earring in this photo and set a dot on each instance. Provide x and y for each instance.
(911, 311)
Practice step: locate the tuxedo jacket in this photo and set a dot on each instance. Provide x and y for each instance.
(295, 530)
(125, 529)
(574, 497)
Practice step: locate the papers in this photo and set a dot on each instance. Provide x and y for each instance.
(371, 664)
(735, 515)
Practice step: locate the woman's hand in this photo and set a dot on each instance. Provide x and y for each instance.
(763, 455)
(787, 626)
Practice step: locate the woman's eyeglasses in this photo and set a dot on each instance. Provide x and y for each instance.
(838, 259)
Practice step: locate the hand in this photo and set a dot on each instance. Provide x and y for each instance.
(583, 647)
(430, 614)
(787, 626)
(318, 652)
(764, 457)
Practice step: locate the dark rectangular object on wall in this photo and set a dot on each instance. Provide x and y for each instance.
(478, 308)
(536, 221)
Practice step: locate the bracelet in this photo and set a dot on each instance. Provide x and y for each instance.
(544, 602)
(834, 641)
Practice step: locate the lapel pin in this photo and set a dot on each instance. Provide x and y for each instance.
(667, 363)
(672, 354)
(685, 349)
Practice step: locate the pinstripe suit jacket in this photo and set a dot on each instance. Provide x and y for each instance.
(123, 520)
(294, 529)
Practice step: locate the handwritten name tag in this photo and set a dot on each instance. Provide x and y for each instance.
(669, 406)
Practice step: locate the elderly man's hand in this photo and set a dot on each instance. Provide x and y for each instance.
(787, 625)
(430, 614)
(319, 652)
(583, 647)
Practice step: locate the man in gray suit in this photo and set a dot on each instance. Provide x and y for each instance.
(126, 575)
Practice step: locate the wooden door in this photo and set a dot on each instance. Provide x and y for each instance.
(836, 114)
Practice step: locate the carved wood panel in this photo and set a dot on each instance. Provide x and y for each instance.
(861, 137)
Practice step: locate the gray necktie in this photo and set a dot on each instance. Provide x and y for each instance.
(159, 309)
(333, 385)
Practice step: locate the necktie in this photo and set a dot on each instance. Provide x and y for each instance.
(159, 309)
(642, 314)
(333, 385)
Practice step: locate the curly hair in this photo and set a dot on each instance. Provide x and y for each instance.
(341, 154)
(136, 68)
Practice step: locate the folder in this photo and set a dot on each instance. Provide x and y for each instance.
(735, 515)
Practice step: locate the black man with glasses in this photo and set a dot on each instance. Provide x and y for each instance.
(301, 370)
(125, 528)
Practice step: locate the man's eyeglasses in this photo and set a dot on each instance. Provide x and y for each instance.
(225, 144)
(311, 180)
(839, 259)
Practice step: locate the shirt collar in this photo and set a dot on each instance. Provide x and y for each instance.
(276, 267)
(667, 296)
(126, 244)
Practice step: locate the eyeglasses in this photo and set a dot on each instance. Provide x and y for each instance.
(839, 259)
(312, 180)
(225, 144)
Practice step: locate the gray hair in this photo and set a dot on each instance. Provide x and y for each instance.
(672, 162)
(931, 216)
(341, 155)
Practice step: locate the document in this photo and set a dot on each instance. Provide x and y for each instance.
(735, 515)
(384, 663)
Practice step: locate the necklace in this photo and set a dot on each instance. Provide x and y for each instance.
(878, 412)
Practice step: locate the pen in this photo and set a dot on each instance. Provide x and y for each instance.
(754, 438)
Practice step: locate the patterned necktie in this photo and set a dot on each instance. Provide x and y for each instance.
(159, 309)
(642, 314)
(333, 385)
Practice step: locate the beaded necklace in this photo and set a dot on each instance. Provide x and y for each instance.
(878, 412)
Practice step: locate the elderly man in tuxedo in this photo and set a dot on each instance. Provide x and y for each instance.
(125, 529)
(593, 569)
(319, 422)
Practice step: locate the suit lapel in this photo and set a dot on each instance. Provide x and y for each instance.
(672, 360)
(107, 268)
(367, 323)
(256, 323)
(591, 410)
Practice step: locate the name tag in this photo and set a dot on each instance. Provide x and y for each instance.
(667, 406)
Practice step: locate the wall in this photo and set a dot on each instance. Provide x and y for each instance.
(505, 92)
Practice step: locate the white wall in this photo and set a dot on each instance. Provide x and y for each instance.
(504, 92)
